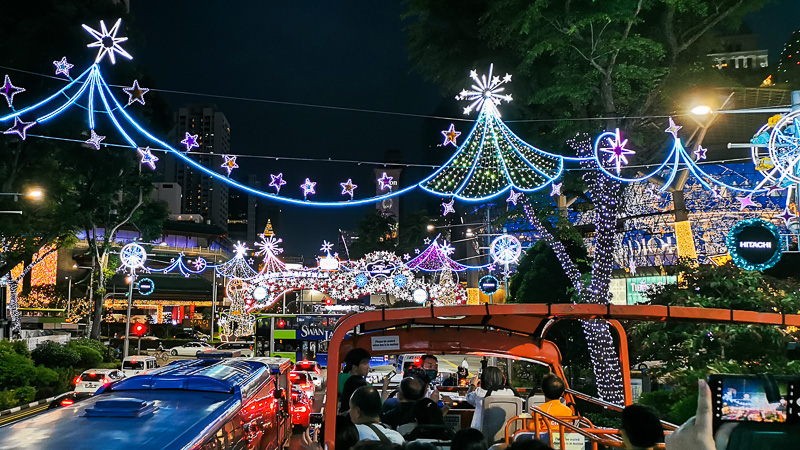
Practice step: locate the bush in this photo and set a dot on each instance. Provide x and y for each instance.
(52, 354)
(91, 343)
(10, 398)
(15, 371)
(89, 357)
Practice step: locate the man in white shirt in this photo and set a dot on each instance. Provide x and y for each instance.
(365, 411)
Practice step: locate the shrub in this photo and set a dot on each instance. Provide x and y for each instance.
(52, 354)
(91, 343)
(10, 398)
(89, 357)
(15, 371)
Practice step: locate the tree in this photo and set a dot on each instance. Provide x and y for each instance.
(375, 231)
(539, 277)
(788, 70)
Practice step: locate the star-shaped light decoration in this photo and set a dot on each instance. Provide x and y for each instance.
(513, 197)
(485, 88)
(240, 249)
(20, 128)
(95, 140)
(416, 251)
(9, 91)
(448, 207)
(787, 215)
(136, 92)
(555, 189)
(427, 241)
(62, 67)
(308, 187)
(326, 247)
(617, 153)
(447, 249)
(773, 189)
(385, 182)
(108, 41)
(406, 256)
(348, 187)
(230, 163)
(673, 129)
(450, 136)
(715, 192)
(148, 157)
(277, 182)
(745, 202)
(700, 153)
(190, 141)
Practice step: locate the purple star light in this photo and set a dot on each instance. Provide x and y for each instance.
(148, 158)
(9, 91)
(190, 142)
(63, 66)
(277, 182)
(385, 182)
(308, 187)
(20, 128)
(513, 197)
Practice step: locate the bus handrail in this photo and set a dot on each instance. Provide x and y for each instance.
(612, 406)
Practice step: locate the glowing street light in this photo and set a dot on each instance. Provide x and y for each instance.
(702, 110)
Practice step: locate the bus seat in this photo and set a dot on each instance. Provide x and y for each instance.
(406, 428)
(535, 400)
(497, 411)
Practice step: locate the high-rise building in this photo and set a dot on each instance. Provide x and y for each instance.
(202, 194)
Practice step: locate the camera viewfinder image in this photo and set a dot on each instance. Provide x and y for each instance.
(744, 400)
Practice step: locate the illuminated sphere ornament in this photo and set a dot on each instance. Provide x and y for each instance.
(361, 280)
(133, 256)
(754, 244)
(400, 280)
(260, 293)
(506, 249)
(420, 295)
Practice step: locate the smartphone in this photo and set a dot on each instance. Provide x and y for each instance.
(314, 424)
(765, 399)
(390, 374)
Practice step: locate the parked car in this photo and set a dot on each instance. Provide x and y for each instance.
(301, 380)
(68, 399)
(93, 379)
(312, 368)
(191, 335)
(301, 408)
(245, 348)
(190, 349)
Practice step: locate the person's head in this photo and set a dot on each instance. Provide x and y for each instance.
(492, 377)
(365, 405)
(416, 445)
(346, 432)
(469, 439)
(356, 362)
(412, 389)
(428, 412)
(552, 387)
(641, 427)
(417, 373)
(430, 364)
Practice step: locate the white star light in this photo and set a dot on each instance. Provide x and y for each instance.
(108, 41)
(485, 88)
(427, 241)
(326, 247)
(240, 249)
(63, 66)
(673, 129)
(448, 207)
(148, 158)
(617, 151)
(268, 246)
(555, 189)
(513, 197)
(95, 140)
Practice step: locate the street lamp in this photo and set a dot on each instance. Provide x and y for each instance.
(33, 193)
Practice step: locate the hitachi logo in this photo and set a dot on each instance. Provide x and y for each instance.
(757, 244)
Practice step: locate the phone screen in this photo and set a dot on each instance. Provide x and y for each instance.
(742, 398)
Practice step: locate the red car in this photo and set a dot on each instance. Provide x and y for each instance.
(301, 408)
(302, 381)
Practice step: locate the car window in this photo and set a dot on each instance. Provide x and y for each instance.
(91, 376)
(130, 365)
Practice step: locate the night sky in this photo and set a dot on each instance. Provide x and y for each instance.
(348, 54)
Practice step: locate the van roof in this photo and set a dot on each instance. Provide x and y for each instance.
(132, 358)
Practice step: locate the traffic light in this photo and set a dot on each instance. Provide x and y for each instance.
(328, 302)
(281, 323)
(139, 329)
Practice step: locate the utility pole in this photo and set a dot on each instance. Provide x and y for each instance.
(128, 319)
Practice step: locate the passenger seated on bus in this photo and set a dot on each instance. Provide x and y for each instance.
(356, 368)
(430, 422)
(365, 410)
(401, 411)
(469, 439)
(641, 427)
(492, 382)
(552, 388)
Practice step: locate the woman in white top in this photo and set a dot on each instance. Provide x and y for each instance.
(491, 380)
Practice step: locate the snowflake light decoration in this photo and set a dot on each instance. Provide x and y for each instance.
(240, 249)
(132, 256)
(485, 89)
(506, 249)
(107, 41)
(326, 247)
(617, 153)
(268, 246)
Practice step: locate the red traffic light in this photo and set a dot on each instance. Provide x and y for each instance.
(139, 329)
(328, 301)
(281, 323)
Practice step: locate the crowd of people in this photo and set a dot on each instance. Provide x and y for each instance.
(412, 418)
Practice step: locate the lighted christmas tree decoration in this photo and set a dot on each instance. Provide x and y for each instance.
(237, 267)
(190, 141)
(492, 159)
(448, 207)
(308, 188)
(513, 197)
(20, 128)
(700, 153)
(617, 153)
(148, 157)
(107, 41)
(135, 93)
(673, 129)
(277, 182)
(436, 257)
(230, 164)
(62, 67)
(348, 187)
(450, 136)
(95, 140)
(385, 182)
(555, 189)
(9, 91)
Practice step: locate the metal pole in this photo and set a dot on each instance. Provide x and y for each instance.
(272, 335)
(128, 321)
(213, 298)
(69, 296)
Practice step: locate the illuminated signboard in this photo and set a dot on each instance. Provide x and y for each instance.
(754, 244)
(489, 285)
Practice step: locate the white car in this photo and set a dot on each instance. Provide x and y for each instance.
(311, 368)
(190, 349)
(245, 348)
(93, 379)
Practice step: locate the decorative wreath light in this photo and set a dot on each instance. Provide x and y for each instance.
(506, 249)
(732, 241)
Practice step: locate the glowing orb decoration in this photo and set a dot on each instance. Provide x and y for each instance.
(361, 280)
(754, 244)
(260, 293)
(133, 256)
(488, 284)
(506, 249)
(420, 295)
(146, 286)
(400, 280)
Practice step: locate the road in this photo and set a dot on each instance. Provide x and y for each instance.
(22, 414)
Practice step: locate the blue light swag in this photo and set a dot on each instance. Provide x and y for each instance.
(491, 161)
